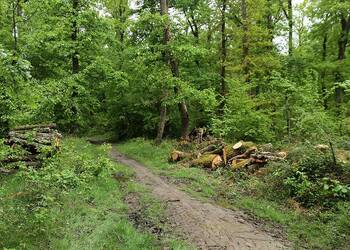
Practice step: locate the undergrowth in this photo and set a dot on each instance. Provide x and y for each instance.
(73, 202)
(308, 200)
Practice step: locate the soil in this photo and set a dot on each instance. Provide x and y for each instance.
(203, 224)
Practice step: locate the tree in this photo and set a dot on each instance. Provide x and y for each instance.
(171, 61)
(223, 53)
(75, 28)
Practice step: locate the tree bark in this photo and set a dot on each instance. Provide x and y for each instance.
(16, 12)
(223, 87)
(245, 41)
(288, 118)
(270, 25)
(290, 27)
(191, 20)
(185, 130)
(161, 125)
(323, 73)
(14, 26)
(163, 108)
(342, 45)
(74, 37)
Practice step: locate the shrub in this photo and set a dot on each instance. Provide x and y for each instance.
(310, 177)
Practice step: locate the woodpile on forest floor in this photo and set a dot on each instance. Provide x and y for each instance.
(213, 154)
(29, 145)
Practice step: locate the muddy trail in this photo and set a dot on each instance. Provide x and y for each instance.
(203, 224)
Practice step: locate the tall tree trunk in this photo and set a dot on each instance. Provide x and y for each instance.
(245, 40)
(16, 12)
(170, 60)
(290, 27)
(163, 107)
(162, 122)
(270, 25)
(323, 73)
(342, 45)
(74, 37)
(223, 87)
(288, 117)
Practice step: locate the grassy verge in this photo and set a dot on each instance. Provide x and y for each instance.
(312, 228)
(74, 203)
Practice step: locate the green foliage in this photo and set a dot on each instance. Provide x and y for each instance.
(311, 178)
(269, 197)
(73, 202)
(242, 120)
(14, 72)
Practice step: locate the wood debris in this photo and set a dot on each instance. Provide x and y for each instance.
(35, 142)
(217, 154)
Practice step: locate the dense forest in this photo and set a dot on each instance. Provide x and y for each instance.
(259, 70)
(269, 72)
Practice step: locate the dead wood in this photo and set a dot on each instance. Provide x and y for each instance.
(212, 161)
(7, 171)
(246, 154)
(38, 126)
(176, 156)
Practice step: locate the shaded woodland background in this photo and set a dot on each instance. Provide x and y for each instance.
(110, 65)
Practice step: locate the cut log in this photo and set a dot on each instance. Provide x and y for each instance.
(269, 156)
(217, 150)
(343, 155)
(212, 161)
(7, 171)
(176, 156)
(27, 158)
(32, 147)
(211, 148)
(224, 155)
(38, 126)
(322, 147)
(246, 154)
(240, 163)
(230, 152)
(238, 145)
(243, 146)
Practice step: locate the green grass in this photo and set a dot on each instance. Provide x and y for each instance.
(314, 229)
(67, 205)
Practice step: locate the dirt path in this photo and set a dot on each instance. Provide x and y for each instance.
(205, 225)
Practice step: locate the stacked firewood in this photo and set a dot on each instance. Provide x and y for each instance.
(34, 142)
(219, 154)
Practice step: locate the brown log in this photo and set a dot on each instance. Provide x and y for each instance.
(243, 146)
(27, 158)
(41, 138)
(209, 148)
(218, 150)
(230, 152)
(38, 126)
(212, 161)
(23, 143)
(7, 171)
(240, 163)
(268, 156)
(224, 155)
(176, 156)
(246, 154)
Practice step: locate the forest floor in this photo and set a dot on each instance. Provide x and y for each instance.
(206, 225)
(303, 228)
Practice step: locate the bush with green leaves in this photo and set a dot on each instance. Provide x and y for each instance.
(27, 198)
(242, 120)
(310, 177)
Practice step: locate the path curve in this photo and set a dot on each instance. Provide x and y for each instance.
(203, 224)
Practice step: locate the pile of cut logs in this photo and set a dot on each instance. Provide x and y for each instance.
(35, 142)
(219, 154)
